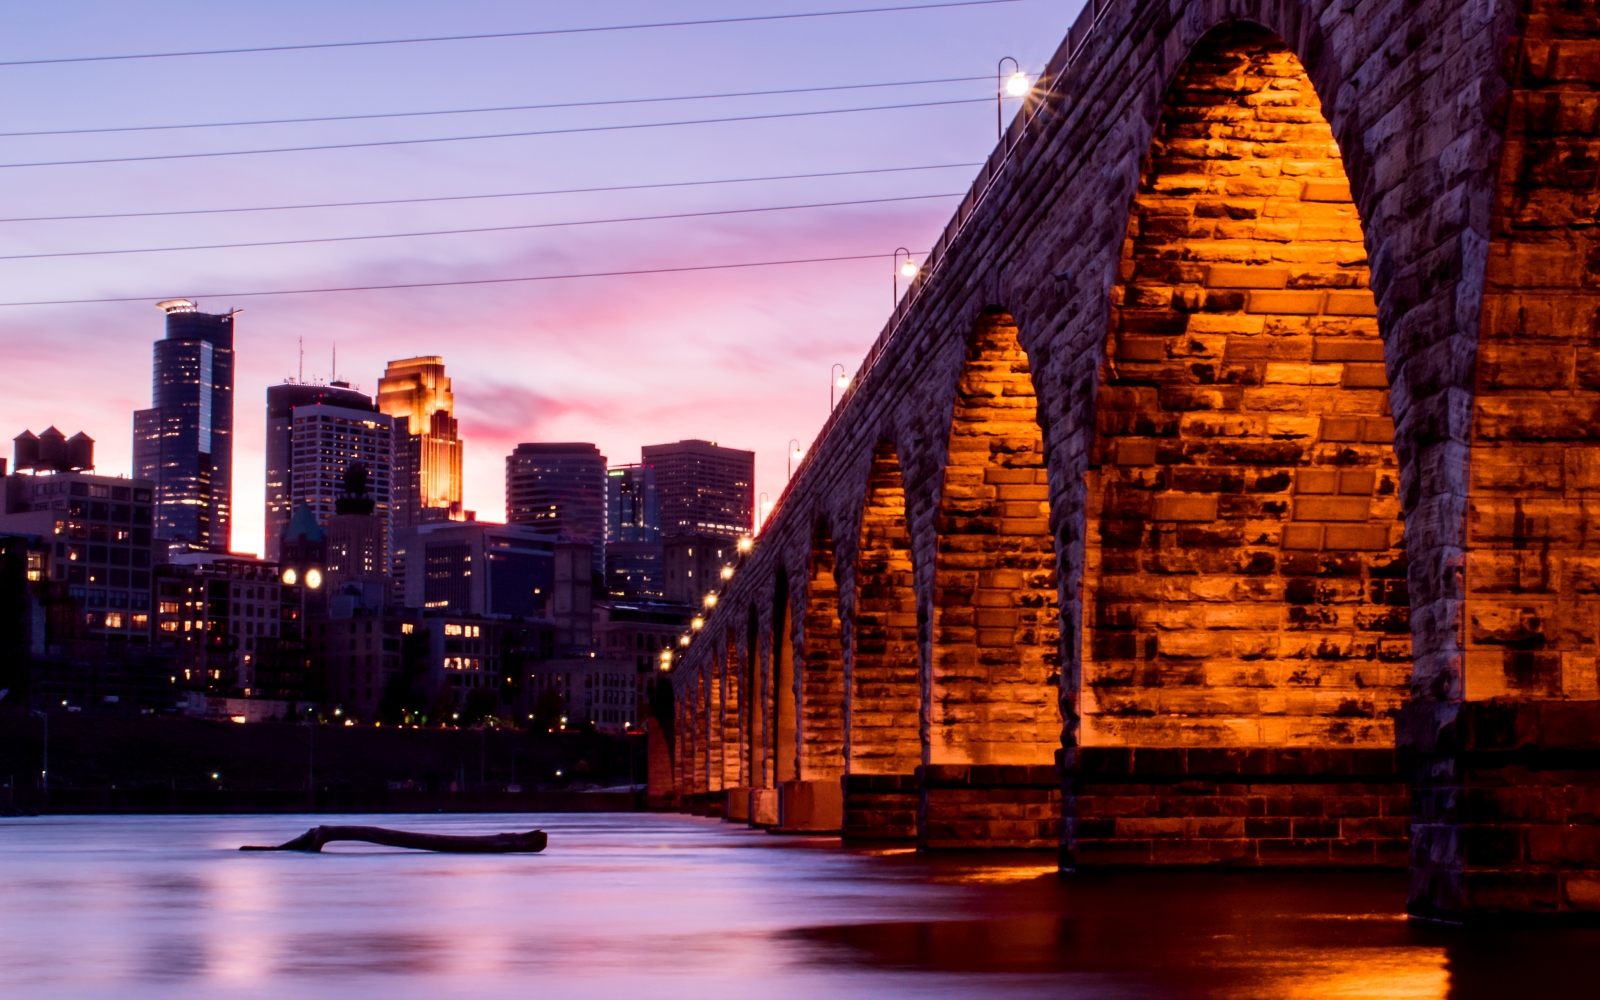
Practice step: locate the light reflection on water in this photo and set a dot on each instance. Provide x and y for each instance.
(669, 906)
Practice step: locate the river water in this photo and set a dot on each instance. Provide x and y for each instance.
(651, 906)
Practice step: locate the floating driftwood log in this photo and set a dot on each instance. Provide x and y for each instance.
(312, 841)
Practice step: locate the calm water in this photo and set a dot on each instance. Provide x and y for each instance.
(669, 906)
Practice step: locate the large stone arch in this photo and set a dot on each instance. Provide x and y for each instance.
(785, 751)
(822, 687)
(995, 645)
(1244, 578)
(885, 695)
(1245, 572)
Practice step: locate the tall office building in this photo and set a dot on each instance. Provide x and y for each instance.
(427, 449)
(184, 442)
(328, 442)
(281, 403)
(560, 489)
(703, 489)
(633, 533)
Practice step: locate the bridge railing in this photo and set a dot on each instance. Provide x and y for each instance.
(1032, 105)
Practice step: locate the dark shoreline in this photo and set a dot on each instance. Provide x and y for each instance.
(160, 801)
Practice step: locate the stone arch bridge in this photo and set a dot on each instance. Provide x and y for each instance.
(1220, 492)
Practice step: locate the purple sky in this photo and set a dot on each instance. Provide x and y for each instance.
(741, 357)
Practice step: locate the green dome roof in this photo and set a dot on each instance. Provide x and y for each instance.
(303, 526)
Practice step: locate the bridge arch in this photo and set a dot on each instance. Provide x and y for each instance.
(822, 686)
(995, 645)
(885, 688)
(784, 751)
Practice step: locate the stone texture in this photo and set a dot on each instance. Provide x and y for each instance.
(1209, 330)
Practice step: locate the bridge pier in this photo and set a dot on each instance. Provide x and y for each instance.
(881, 807)
(1125, 806)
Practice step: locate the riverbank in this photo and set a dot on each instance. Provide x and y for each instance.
(165, 764)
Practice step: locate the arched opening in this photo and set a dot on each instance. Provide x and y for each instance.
(753, 722)
(1245, 578)
(996, 660)
(886, 696)
(822, 673)
(733, 716)
(785, 753)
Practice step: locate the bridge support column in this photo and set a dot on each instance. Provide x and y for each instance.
(881, 806)
(810, 807)
(763, 807)
(1507, 808)
(988, 806)
(1143, 806)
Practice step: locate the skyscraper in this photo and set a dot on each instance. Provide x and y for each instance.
(560, 489)
(281, 402)
(184, 442)
(328, 442)
(703, 489)
(633, 533)
(427, 450)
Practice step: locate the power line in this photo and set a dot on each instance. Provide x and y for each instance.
(480, 197)
(479, 111)
(503, 34)
(460, 283)
(495, 135)
(485, 229)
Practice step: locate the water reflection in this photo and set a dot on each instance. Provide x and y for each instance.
(666, 906)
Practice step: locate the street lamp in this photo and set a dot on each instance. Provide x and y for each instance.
(795, 453)
(747, 543)
(711, 600)
(666, 660)
(907, 267)
(1015, 85)
(839, 381)
(763, 508)
(727, 572)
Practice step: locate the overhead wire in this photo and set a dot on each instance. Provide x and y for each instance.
(494, 135)
(631, 272)
(486, 229)
(491, 110)
(608, 189)
(538, 33)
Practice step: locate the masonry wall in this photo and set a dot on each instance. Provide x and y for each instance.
(1245, 576)
(1464, 131)
(885, 732)
(996, 635)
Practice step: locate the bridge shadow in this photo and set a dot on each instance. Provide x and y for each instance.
(1207, 935)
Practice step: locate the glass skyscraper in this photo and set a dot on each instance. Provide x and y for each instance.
(183, 443)
(283, 448)
(559, 488)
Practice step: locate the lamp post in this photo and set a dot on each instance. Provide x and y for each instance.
(1015, 85)
(837, 379)
(794, 454)
(907, 268)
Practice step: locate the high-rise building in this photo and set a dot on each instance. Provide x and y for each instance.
(184, 442)
(427, 448)
(97, 530)
(633, 533)
(281, 402)
(559, 489)
(329, 441)
(478, 568)
(703, 489)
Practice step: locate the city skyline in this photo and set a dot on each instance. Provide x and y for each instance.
(741, 357)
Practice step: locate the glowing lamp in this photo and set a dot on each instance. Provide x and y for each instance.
(313, 578)
(908, 269)
(1017, 84)
(290, 577)
(746, 544)
(711, 600)
(727, 572)
(697, 623)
